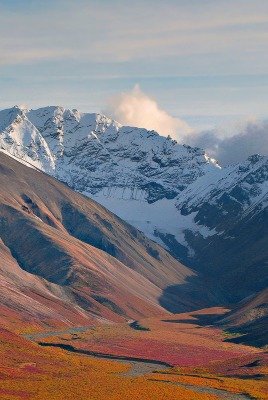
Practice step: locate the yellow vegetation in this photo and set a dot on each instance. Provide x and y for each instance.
(257, 389)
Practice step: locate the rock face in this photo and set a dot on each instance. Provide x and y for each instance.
(213, 219)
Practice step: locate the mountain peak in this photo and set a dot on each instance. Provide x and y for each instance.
(20, 108)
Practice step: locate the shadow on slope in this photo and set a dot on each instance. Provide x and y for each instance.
(194, 292)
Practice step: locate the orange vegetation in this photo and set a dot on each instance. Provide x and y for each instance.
(28, 371)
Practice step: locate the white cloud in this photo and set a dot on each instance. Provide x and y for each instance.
(135, 108)
(250, 136)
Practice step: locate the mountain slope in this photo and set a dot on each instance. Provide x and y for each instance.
(62, 253)
(250, 319)
(26, 299)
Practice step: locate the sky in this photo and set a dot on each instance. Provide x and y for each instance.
(197, 69)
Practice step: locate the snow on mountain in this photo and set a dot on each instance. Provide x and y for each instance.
(238, 191)
(161, 187)
(94, 154)
(20, 138)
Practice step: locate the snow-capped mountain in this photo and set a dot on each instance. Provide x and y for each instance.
(174, 193)
(134, 172)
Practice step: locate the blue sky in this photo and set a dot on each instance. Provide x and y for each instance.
(200, 60)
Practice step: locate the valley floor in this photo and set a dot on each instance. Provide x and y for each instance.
(203, 366)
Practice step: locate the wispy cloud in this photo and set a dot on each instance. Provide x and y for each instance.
(48, 48)
(109, 32)
(13, 57)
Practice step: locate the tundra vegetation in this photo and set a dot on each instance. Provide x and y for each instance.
(199, 356)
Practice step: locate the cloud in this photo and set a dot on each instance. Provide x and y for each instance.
(14, 57)
(252, 139)
(108, 31)
(135, 108)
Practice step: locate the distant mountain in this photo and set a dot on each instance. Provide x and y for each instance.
(235, 208)
(210, 218)
(64, 259)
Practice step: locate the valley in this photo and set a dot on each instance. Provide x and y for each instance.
(133, 200)
(166, 298)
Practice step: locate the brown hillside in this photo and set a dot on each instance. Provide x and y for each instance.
(66, 258)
